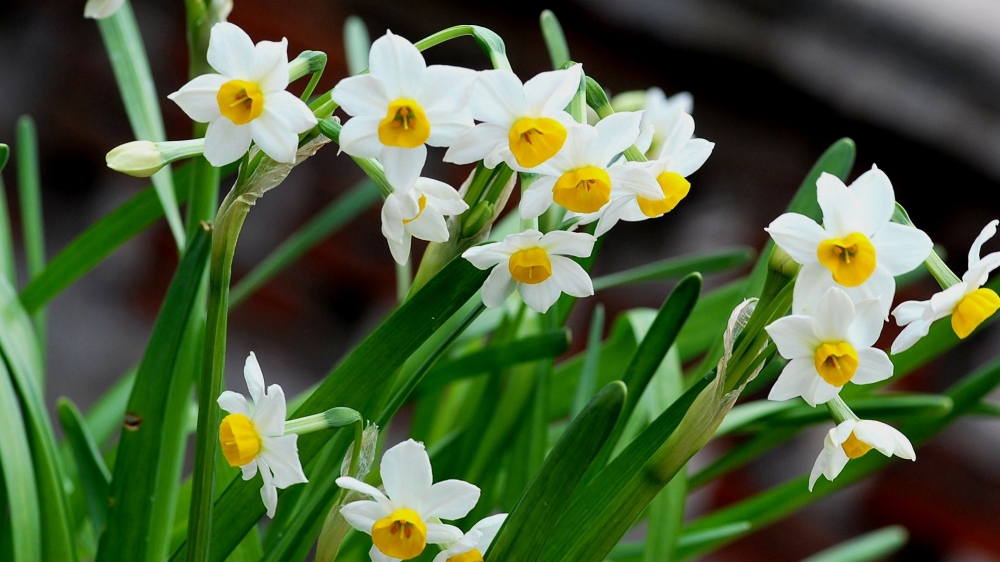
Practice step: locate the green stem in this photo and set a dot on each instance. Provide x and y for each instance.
(941, 272)
(29, 185)
(840, 411)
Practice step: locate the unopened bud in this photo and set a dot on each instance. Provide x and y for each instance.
(142, 159)
(308, 62)
(782, 263)
(477, 218)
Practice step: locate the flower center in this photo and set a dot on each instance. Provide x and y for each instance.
(422, 203)
(854, 447)
(401, 535)
(836, 362)
(240, 101)
(851, 259)
(584, 190)
(972, 310)
(530, 266)
(405, 125)
(240, 441)
(535, 140)
(472, 556)
(674, 186)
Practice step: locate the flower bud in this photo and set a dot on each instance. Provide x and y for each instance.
(142, 159)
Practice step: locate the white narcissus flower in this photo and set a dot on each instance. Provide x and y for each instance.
(247, 100)
(402, 105)
(580, 178)
(660, 118)
(100, 9)
(253, 438)
(401, 520)
(968, 302)
(853, 439)
(680, 156)
(535, 265)
(418, 211)
(522, 125)
(474, 544)
(828, 348)
(857, 247)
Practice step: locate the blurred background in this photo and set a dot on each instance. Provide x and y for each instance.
(916, 84)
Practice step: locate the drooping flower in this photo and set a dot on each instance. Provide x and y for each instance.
(417, 208)
(580, 177)
(247, 100)
(100, 9)
(522, 125)
(853, 439)
(857, 247)
(680, 156)
(968, 302)
(402, 105)
(535, 265)
(829, 348)
(401, 520)
(474, 544)
(660, 118)
(253, 438)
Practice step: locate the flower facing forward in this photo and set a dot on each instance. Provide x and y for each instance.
(401, 521)
(474, 544)
(857, 247)
(852, 440)
(419, 212)
(580, 178)
(829, 348)
(402, 105)
(253, 438)
(535, 265)
(968, 302)
(247, 100)
(680, 156)
(522, 125)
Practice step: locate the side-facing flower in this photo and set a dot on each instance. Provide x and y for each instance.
(253, 438)
(474, 544)
(852, 440)
(417, 208)
(829, 348)
(856, 248)
(535, 265)
(401, 520)
(522, 125)
(580, 177)
(680, 156)
(246, 101)
(660, 118)
(968, 302)
(402, 105)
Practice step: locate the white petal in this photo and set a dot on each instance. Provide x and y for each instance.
(362, 515)
(885, 438)
(812, 283)
(576, 244)
(441, 196)
(199, 98)
(498, 286)
(269, 413)
(488, 255)
(874, 192)
(274, 138)
(910, 311)
(798, 235)
(944, 302)
(270, 65)
(834, 315)
(867, 325)
(397, 207)
(447, 125)
(873, 366)
(794, 336)
(449, 499)
(690, 158)
(819, 391)
(234, 403)
(989, 231)
(406, 473)
(498, 99)
(254, 378)
(822, 461)
(539, 297)
(634, 180)
(439, 533)
(880, 285)
(226, 141)
(100, 9)
(678, 136)
(376, 555)
(489, 528)
(230, 51)
(249, 470)
(476, 144)
(537, 198)
(910, 335)
(269, 495)
(615, 133)
(575, 152)
(292, 112)
(570, 277)
(403, 166)
(465, 544)
(349, 483)
(400, 250)
(978, 275)
(549, 92)
(645, 139)
(901, 249)
(612, 213)
(359, 136)
(794, 379)
(362, 95)
(282, 456)
(429, 226)
(446, 89)
(398, 64)
(842, 213)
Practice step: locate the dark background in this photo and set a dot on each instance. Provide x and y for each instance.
(916, 83)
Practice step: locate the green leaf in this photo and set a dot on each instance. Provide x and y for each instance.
(591, 361)
(708, 319)
(356, 45)
(530, 523)
(94, 475)
(18, 476)
(365, 373)
(634, 551)
(324, 224)
(7, 269)
(104, 418)
(875, 545)
(555, 40)
(29, 185)
(135, 83)
(129, 533)
(672, 268)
